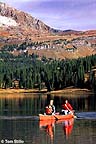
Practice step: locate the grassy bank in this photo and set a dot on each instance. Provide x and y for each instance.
(22, 91)
(66, 90)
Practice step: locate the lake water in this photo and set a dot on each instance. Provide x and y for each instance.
(19, 119)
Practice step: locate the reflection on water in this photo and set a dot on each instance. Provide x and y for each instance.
(49, 127)
(67, 127)
(84, 131)
(86, 115)
(25, 104)
(19, 120)
(29, 104)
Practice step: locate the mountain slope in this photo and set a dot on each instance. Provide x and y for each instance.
(17, 27)
(23, 19)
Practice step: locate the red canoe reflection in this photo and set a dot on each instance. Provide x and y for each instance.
(48, 126)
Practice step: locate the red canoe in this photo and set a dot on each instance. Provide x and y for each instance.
(55, 117)
(44, 123)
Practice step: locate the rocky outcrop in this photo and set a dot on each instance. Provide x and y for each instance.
(24, 20)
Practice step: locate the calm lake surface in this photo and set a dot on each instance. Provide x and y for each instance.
(19, 119)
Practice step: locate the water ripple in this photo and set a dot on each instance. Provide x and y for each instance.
(19, 117)
(86, 115)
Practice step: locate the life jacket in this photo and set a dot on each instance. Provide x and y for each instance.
(48, 110)
(67, 106)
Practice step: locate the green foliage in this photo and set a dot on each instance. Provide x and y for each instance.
(53, 74)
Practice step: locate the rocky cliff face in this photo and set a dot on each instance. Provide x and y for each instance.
(23, 19)
(17, 26)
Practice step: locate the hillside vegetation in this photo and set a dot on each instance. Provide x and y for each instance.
(27, 71)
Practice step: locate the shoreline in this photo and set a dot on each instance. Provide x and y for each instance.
(71, 90)
(22, 91)
(66, 91)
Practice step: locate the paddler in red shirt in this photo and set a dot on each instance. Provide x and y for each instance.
(67, 108)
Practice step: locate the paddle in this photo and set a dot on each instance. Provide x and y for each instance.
(71, 111)
(55, 117)
(74, 113)
(75, 116)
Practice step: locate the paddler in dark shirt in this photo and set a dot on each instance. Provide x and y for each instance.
(50, 109)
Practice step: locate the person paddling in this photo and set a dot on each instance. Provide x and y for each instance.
(67, 108)
(50, 109)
